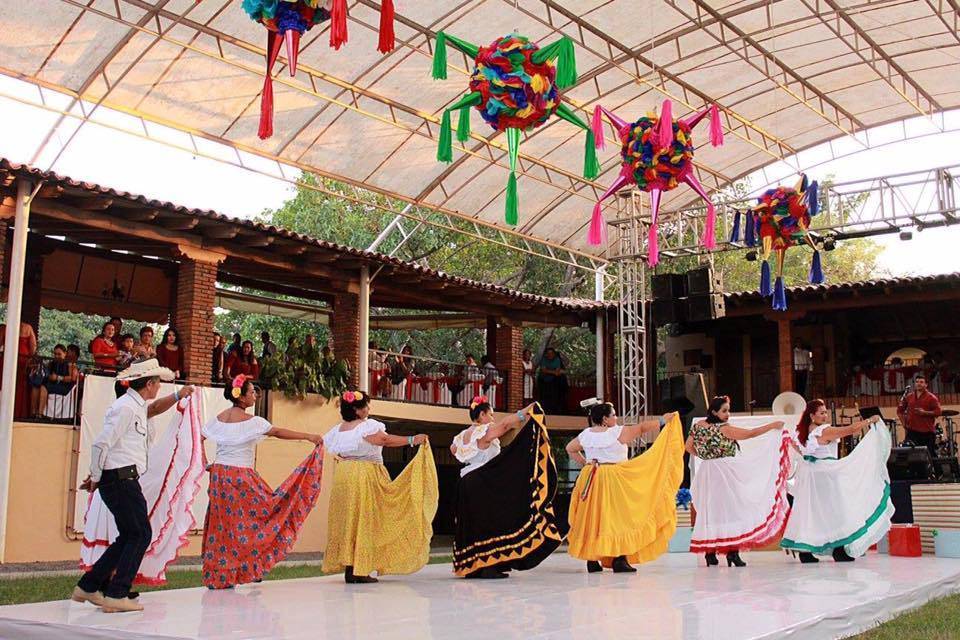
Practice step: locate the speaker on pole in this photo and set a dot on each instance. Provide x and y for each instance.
(703, 281)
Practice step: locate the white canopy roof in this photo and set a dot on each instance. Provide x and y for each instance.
(787, 75)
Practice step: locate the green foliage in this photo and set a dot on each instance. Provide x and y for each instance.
(305, 370)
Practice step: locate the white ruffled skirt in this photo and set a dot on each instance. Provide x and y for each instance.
(741, 502)
(842, 503)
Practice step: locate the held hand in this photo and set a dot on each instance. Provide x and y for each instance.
(668, 416)
(874, 419)
(776, 425)
(88, 485)
(187, 391)
(419, 439)
(315, 438)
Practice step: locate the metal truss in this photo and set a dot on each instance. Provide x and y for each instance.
(854, 209)
(277, 169)
(631, 275)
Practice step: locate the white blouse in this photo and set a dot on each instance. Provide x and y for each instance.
(237, 441)
(603, 446)
(352, 445)
(469, 453)
(814, 449)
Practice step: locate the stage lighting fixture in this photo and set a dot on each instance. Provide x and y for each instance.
(829, 244)
(906, 235)
(751, 256)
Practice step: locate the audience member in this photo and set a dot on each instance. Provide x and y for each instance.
(527, 360)
(242, 361)
(145, 349)
(552, 382)
(61, 378)
(216, 358)
(104, 349)
(236, 345)
(127, 346)
(169, 353)
(269, 348)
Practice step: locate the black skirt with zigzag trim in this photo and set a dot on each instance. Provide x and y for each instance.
(504, 517)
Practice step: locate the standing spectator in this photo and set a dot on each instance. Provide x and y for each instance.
(242, 362)
(310, 342)
(145, 349)
(73, 353)
(327, 353)
(104, 349)
(127, 345)
(118, 323)
(802, 365)
(293, 348)
(269, 348)
(489, 372)
(527, 360)
(169, 353)
(236, 345)
(401, 370)
(552, 381)
(216, 358)
(26, 349)
(61, 378)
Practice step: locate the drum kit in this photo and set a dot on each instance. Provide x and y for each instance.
(946, 440)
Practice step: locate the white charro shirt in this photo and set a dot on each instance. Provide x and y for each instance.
(125, 439)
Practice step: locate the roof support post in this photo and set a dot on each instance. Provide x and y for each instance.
(12, 337)
(364, 338)
(601, 332)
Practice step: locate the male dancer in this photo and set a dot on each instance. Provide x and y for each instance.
(118, 457)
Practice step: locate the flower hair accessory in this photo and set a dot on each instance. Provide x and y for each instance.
(237, 385)
(352, 396)
(477, 401)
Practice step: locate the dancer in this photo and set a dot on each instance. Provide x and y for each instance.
(623, 510)
(505, 516)
(170, 485)
(740, 496)
(375, 523)
(249, 527)
(118, 457)
(840, 507)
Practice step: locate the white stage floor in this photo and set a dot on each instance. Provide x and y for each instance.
(674, 597)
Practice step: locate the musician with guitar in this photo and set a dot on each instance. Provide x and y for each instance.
(918, 411)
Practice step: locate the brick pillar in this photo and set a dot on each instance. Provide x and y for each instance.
(345, 333)
(509, 348)
(193, 316)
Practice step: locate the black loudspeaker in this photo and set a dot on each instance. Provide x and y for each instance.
(668, 285)
(673, 395)
(703, 281)
(947, 469)
(705, 307)
(667, 311)
(910, 463)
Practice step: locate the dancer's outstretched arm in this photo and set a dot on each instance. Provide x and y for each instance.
(835, 433)
(290, 434)
(629, 433)
(382, 439)
(512, 421)
(739, 433)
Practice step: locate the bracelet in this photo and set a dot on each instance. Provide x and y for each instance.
(663, 422)
(520, 416)
(409, 441)
(176, 395)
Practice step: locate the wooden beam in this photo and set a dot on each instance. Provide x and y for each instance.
(94, 203)
(178, 223)
(262, 240)
(865, 301)
(138, 215)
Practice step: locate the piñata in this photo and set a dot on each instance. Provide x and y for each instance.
(287, 20)
(515, 85)
(780, 220)
(656, 154)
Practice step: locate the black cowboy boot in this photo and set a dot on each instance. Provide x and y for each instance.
(733, 560)
(711, 559)
(808, 558)
(840, 555)
(620, 565)
(594, 567)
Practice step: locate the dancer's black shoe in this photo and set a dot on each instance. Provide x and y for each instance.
(487, 573)
(808, 558)
(711, 559)
(733, 560)
(594, 567)
(620, 565)
(840, 555)
(349, 578)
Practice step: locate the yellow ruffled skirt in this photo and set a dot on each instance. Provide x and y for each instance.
(380, 525)
(630, 508)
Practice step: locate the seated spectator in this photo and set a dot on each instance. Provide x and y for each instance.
(242, 361)
(216, 358)
(169, 353)
(62, 376)
(104, 349)
(145, 349)
(127, 345)
(552, 382)
(236, 345)
(269, 348)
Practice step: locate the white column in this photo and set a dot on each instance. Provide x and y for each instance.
(601, 332)
(14, 304)
(365, 329)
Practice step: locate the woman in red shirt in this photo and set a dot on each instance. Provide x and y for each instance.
(169, 353)
(104, 349)
(244, 362)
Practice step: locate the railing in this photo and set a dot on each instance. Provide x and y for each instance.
(420, 380)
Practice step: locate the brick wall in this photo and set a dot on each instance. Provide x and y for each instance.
(345, 333)
(193, 316)
(509, 348)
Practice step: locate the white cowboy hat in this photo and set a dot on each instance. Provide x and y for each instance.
(146, 369)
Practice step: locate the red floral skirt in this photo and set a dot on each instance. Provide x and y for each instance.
(249, 527)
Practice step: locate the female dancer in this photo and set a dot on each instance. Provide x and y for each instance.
(740, 497)
(375, 523)
(505, 516)
(249, 527)
(840, 507)
(624, 510)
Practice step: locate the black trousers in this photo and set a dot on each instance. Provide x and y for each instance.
(800, 377)
(926, 439)
(114, 572)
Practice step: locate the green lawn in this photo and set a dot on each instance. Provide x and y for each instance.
(23, 590)
(936, 620)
